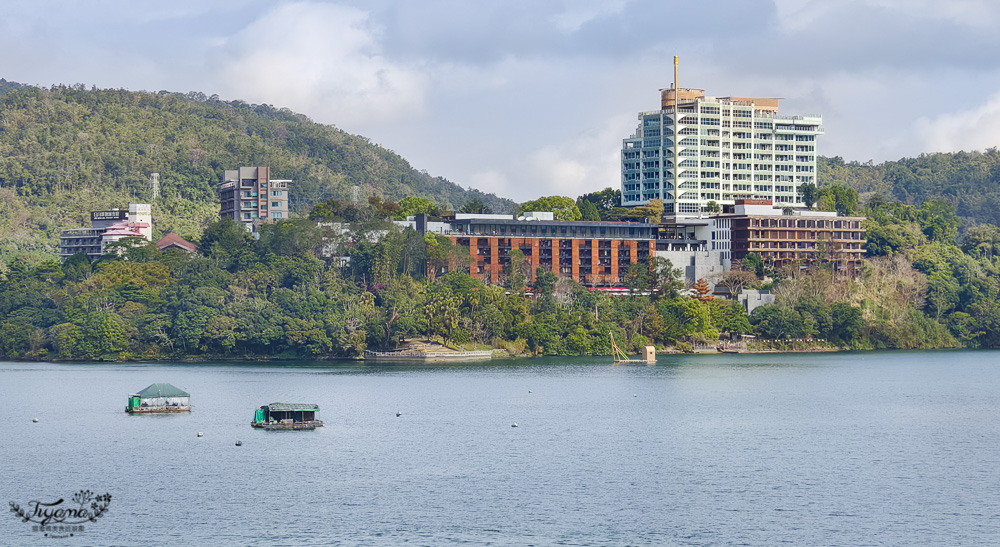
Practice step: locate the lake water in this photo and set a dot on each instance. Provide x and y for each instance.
(895, 448)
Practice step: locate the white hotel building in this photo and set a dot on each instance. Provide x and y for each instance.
(722, 149)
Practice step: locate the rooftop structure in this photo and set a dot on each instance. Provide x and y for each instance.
(174, 241)
(699, 148)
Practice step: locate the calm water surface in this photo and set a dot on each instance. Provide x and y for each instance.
(830, 449)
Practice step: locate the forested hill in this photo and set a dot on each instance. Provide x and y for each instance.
(67, 150)
(970, 180)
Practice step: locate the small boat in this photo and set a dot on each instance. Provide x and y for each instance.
(286, 416)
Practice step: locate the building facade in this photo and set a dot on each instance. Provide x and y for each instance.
(249, 195)
(800, 237)
(107, 227)
(717, 149)
(597, 254)
(591, 253)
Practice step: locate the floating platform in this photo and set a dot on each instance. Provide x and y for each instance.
(286, 416)
(420, 355)
(313, 424)
(159, 399)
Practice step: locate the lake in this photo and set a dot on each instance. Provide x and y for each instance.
(880, 448)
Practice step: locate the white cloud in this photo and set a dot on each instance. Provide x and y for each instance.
(321, 59)
(491, 181)
(797, 15)
(974, 129)
(591, 161)
(973, 13)
(578, 13)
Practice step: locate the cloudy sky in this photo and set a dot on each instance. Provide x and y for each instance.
(528, 98)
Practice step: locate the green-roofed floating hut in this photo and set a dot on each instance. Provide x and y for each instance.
(159, 398)
(286, 416)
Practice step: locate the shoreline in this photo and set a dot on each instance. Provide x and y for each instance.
(354, 360)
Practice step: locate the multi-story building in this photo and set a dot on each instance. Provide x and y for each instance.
(592, 253)
(249, 195)
(705, 247)
(107, 227)
(717, 149)
(786, 237)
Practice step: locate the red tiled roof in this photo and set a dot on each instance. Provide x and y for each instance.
(176, 241)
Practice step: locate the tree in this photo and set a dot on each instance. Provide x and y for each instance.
(562, 207)
(652, 210)
(227, 242)
(846, 323)
(604, 201)
(737, 278)
(713, 207)
(414, 205)
(809, 194)
(545, 281)
(475, 206)
(838, 198)
(76, 267)
(294, 238)
(588, 211)
(516, 274)
(663, 276)
(983, 239)
(942, 294)
(754, 263)
(702, 289)
(776, 322)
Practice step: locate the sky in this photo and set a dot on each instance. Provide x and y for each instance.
(530, 98)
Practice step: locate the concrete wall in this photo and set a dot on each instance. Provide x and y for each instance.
(695, 264)
(752, 299)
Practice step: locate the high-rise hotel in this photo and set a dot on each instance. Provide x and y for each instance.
(698, 149)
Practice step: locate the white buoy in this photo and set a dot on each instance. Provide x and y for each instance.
(35, 420)
(398, 413)
(513, 424)
(635, 394)
(529, 391)
(200, 434)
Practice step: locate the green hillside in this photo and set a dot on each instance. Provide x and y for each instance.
(970, 180)
(66, 151)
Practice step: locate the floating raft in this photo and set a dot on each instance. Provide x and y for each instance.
(157, 399)
(420, 355)
(278, 416)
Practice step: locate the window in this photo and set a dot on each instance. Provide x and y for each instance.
(276, 193)
(276, 214)
(246, 215)
(275, 204)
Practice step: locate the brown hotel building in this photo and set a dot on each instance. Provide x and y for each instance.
(804, 237)
(592, 253)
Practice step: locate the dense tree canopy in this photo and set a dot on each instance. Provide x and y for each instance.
(968, 180)
(66, 151)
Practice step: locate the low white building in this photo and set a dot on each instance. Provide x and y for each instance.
(107, 227)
